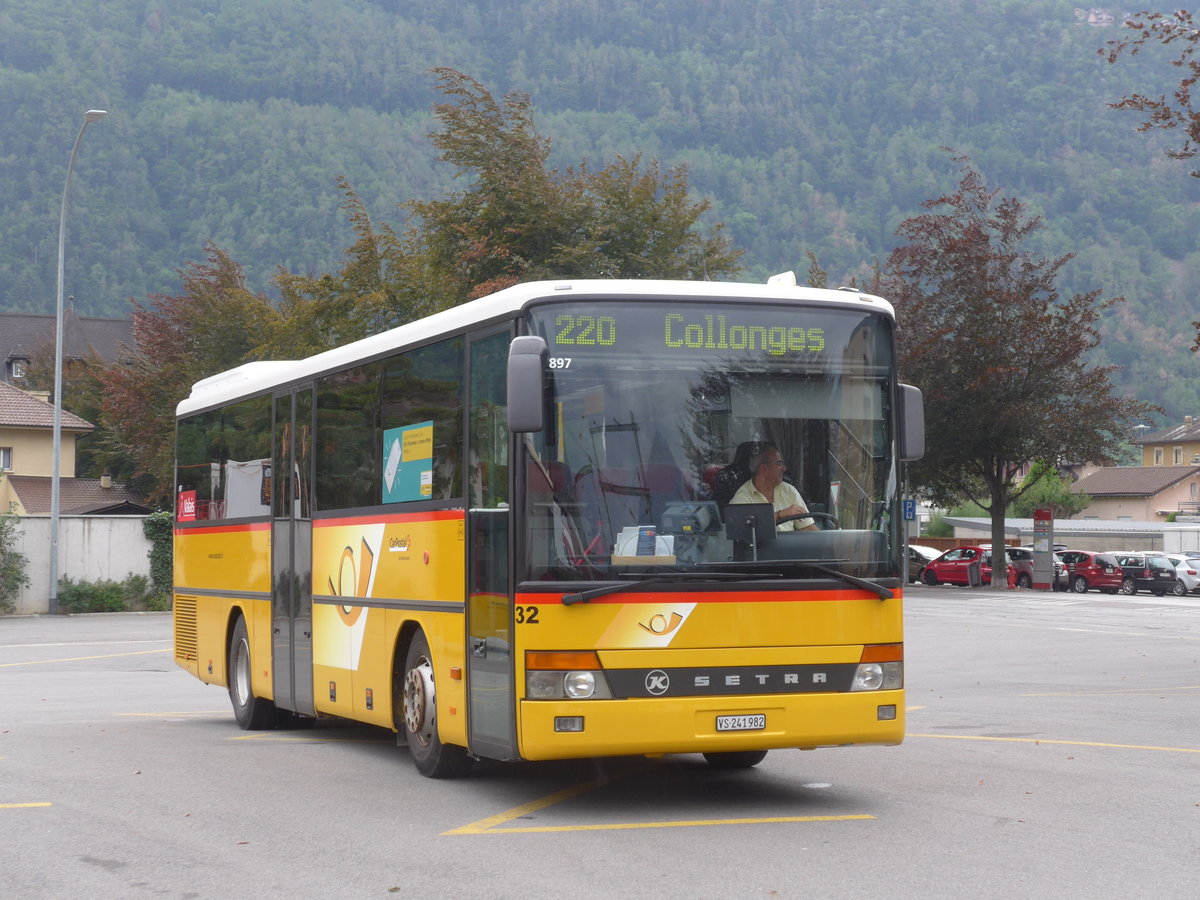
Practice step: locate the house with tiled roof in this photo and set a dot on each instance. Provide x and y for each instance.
(27, 462)
(1140, 493)
(24, 335)
(1178, 445)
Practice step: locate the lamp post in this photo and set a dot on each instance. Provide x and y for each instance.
(92, 115)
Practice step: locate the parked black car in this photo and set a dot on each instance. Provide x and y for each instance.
(1146, 572)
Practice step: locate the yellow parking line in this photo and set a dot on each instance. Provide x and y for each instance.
(982, 737)
(22, 805)
(694, 823)
(40, 662)
(491, 825)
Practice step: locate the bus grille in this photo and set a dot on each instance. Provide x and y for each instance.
(185, 628)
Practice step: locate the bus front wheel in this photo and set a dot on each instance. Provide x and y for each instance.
(417, 715)
(738, 759)
(252, 713)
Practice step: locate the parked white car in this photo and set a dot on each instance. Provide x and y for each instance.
(1187, 571)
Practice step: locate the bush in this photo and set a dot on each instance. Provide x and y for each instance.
(13, 576)
(136, 592)
(937, 527)
(91, 596)
(159, 528)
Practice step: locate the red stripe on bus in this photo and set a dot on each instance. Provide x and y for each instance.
(437, 515)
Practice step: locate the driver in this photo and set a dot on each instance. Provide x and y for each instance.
(766, 485)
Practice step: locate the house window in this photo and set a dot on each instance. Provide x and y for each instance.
(1178, 456)
(1158, 456)
(5, 459)
(17, 368)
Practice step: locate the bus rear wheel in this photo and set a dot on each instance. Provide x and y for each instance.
(416, 714)
(252, 713)
(738, 759)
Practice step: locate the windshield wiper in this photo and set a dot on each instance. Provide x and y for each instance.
(591, 593)
(878, 589)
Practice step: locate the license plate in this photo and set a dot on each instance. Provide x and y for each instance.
(741, 723)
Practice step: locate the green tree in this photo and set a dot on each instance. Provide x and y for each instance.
(520, 220)
(997, 351)
(1048, 490)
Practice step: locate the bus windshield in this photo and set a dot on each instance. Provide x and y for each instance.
(684, 436)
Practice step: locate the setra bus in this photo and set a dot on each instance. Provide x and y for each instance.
(509, 531)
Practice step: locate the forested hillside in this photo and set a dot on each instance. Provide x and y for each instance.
(814, 125)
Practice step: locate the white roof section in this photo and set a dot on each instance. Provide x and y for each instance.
(262, 376)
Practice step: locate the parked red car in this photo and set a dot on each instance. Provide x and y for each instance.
(955, 566)
(1087, 570)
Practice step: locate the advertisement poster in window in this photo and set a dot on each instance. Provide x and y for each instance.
(408, 463)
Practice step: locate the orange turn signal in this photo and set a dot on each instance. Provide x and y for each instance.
(882, 653)
(562, 660)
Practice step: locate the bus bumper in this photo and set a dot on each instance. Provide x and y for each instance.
(689, 725)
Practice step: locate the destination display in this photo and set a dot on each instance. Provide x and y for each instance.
(691, 331)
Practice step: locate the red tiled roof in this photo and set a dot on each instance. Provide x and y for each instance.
(1132, 481)
(76, 496)
(18, 409)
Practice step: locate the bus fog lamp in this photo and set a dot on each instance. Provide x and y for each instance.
(886, 713)
(573, 724)
(580, 685)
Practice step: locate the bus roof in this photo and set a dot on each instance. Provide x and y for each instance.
(257, 377)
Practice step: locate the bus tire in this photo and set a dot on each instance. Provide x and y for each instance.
(416, 714)
(738, 759)
(252, 713)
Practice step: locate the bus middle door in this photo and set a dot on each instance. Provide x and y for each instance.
(291, 553)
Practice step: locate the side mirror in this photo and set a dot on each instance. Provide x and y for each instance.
(912, 423)
(526, 365)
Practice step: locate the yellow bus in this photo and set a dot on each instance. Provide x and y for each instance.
(532, 527)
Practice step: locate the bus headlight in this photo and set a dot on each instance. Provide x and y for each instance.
(878, 676)
(580, 685)
(558, 675)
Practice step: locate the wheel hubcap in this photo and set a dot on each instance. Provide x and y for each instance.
(241, 673)
(419, 701)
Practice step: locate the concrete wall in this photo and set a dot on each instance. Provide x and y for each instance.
(90, 548)
(1176, 539)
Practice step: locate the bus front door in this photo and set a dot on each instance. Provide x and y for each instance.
(291, 553)
(491, 706)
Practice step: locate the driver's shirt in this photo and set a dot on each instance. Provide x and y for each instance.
(785, 496)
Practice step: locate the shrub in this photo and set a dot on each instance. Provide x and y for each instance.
(159, 528)
(91, 596)
(13, 576)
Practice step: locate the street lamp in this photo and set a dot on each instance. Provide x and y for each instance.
(92, 115)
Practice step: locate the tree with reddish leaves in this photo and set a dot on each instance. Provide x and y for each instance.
(215, 324)
(1178, 32)
(999, 354)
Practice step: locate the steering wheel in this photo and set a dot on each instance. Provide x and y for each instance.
(828, 517)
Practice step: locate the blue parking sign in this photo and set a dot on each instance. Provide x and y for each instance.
(910, 510)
